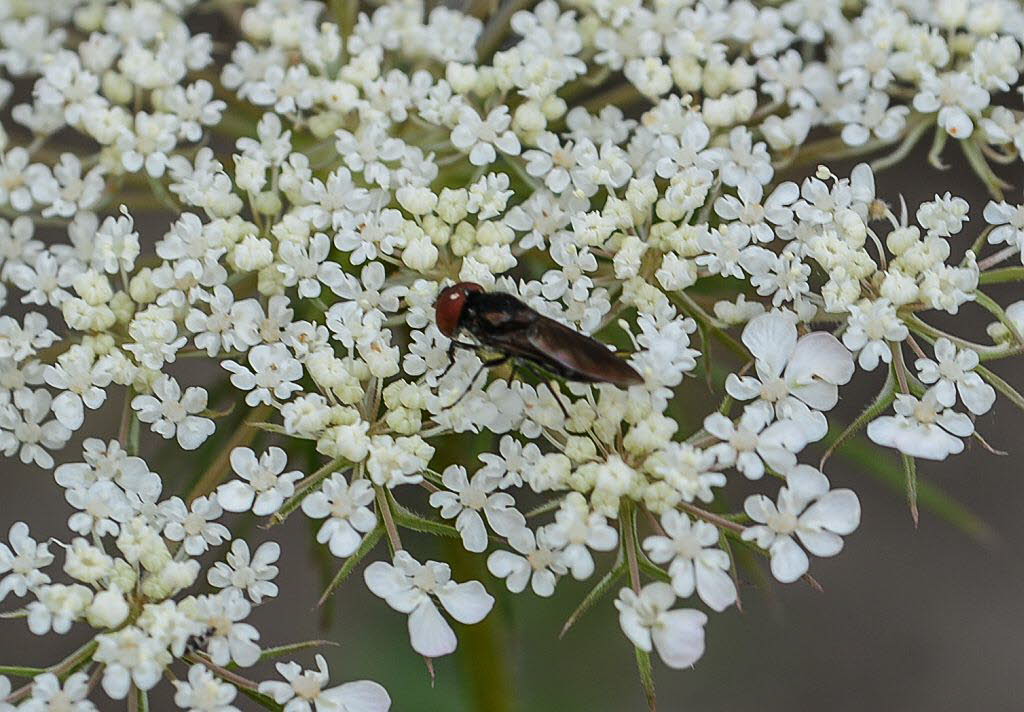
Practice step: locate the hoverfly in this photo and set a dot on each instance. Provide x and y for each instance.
(505, 325)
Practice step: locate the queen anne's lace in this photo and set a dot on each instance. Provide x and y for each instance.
(651, 173)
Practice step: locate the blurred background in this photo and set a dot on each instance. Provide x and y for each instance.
(926, 619)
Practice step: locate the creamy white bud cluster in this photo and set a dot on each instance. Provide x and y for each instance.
(237, 241)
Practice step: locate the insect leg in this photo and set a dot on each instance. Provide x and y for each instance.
(453, 346)
(486, 364)
(558, 399)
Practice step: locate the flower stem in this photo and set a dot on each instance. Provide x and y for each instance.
(717, 520)
(627, 523)
(1001, 256)
(222, 672)
(386, 516)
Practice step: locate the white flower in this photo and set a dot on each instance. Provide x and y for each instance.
(108, 461)
(793, 374)
(1008, 221)
(696, 561)
(204, 693)
(511, 462)
(872, 116)
(108, 608)
(952, 373)
(871, 326)
(252, 576)
(468, 499)
(103, 506)
(149, 144)
(956, 98)
(230, 325)
(345, 508)
(273, 375)
(116, 244)
(304, 690)
(19, 341)
(479, 137)
(231, 640)
(922, 427)
(408, 585)
(943, 216)
(129, 657)
(751, 443)
(57, 607)
(745, 160)
(687, 469)
(196, 528)
(83, 379)
(677, 635)
(576, 530)
(262, 487)
(397, 461)
(22, 561)
(807, 511)
(305, 264)
(173, 413)
(759, 217)
(538, 563)
(48, 695)
(25, 430)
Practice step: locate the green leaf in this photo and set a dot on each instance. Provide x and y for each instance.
(910, 478)
(653, 570)
(878, 406)
(20, 671)
(643, 664)
(272, 428)
(263, 700)
(549, 506)
(596, 593)
(411, 520)
(278, 651)
(883, 467)
(369, 541)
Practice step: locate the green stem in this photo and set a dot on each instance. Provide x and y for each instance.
(497, 28)
(627, 527)
(997, 311)
(1001, 276)
(717, 328)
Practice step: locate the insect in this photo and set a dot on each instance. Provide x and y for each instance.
(505, 325)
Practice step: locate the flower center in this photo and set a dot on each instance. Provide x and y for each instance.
(925, 413)
(473, 498)
(688, 547)
(744, 440)
(424, 580)
(783, 522)
(774, 390)
(540, 559)
(306, 686)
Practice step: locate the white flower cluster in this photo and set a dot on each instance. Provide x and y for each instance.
(647, 172)
(129, 569)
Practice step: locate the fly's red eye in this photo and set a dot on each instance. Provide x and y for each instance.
(449, 304)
